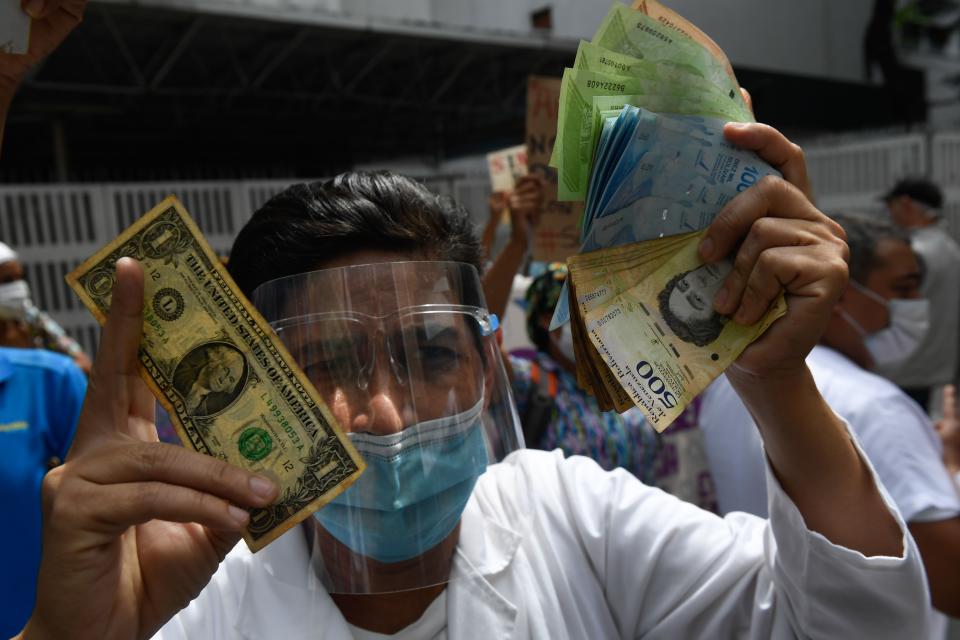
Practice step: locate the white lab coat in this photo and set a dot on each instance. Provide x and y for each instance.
(553, 549)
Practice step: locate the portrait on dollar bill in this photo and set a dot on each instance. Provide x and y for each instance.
(686, 303)
(210, 378)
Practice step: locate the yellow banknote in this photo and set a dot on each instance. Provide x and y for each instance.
(661, 338)
(231, 388)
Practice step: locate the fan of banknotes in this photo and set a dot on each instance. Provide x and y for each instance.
(640, 141)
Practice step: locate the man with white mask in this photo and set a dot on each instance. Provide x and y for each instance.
(914, 205)
(879, 319)
(22, 324)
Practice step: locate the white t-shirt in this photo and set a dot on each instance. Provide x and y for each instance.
(893, 430)
(432, 625)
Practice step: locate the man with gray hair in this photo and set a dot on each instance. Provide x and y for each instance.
(914, 205)
(877, 318)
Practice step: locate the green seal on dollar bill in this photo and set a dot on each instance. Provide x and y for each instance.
(255, 443)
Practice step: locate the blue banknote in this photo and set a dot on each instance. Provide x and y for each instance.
(657, 175)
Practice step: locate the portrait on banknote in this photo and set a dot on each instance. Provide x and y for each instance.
(210, 377)
(686, 303)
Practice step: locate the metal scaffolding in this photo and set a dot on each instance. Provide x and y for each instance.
(140, 88)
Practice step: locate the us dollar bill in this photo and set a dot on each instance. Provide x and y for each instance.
(231, 388)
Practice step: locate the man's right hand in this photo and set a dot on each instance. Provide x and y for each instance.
(526, 206)
(133, 529)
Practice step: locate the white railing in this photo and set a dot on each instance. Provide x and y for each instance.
(55, 227)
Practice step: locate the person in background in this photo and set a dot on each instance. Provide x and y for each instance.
(557, 414)
(914, 205)
(894, 431)
(40, 398)
(948, 427)
(524, 205)
(22, 324)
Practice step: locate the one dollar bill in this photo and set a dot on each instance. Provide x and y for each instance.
(232, 390)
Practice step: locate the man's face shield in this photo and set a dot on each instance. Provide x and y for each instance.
(405, 355)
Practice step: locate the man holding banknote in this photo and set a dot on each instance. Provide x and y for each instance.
(454, 530)
(478, 539)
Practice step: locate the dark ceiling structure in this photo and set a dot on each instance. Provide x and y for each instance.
(144, 93)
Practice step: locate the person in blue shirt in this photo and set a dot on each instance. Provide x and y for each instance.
(41, 394)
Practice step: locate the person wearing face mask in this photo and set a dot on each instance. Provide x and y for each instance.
(455, 530)
(879, 319)
(22, 324)
(556, 413)
(914, 205)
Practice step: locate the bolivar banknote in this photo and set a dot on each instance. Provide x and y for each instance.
(658, 176)
(230, 387)
(634, 33)
(593, 57)
(605, 107)
(673, 20)
(661, 338)
(686, 159)
(595, 279)
(577, 129)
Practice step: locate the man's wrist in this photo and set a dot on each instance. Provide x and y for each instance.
(762, 386)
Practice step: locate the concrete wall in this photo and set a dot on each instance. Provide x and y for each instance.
(819, 38)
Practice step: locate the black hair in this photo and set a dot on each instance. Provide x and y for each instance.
(696, 331)
(863, 236)
(307, 224)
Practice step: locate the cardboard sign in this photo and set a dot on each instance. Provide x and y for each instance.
(558, 235)
(506, 167)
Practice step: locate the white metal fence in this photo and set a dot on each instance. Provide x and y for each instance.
(852, 176)
(55, 227)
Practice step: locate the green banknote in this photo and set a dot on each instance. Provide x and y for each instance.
(593, 57)
(632, 32)
(660, 338)
(578, 123)
(231, 388)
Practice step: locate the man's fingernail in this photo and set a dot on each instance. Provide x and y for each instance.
(238, 515)
(706, 248)
(737, 125)
(34, 8)
(261, 486)
(720, 299)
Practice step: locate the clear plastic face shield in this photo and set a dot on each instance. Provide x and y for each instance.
(406, 357)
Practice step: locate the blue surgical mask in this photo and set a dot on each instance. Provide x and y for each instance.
(414, 489)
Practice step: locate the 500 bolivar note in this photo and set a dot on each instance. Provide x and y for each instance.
(231, 388)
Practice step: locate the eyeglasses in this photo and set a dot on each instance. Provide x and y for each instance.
(427, 346)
